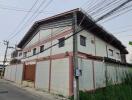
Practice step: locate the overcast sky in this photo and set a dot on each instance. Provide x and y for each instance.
(10, 20)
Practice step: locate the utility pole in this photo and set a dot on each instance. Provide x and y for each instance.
(75, 58)
(7, 46)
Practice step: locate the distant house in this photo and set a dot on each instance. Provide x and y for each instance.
(1, 70)
(1, 66)
(47, 54)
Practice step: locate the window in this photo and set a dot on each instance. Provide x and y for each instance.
(25, 54)
(110, 52)
(61, 42)
(20, 54)
(34, 51)
(118, 55)
(42, 48)
(82, 40)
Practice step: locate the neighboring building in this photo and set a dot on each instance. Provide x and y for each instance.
(51, 68)
(16, 57)
(1, 67)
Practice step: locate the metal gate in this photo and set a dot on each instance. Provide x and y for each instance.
(29, 72)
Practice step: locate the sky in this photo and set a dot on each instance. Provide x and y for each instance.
(13, 25)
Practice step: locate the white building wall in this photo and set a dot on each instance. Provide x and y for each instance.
(42, 75)
(90, 47)
(68, 47)
(96, 47)
(44, 33)
(100, 47)
(60, 76)
(40, 35)
(33, 40)
(114, 52)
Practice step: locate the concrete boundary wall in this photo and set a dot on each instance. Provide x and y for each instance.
(42, 75)
(98, 74)
(14, 73)
(55, 75)
(19, 73)
(60, 76)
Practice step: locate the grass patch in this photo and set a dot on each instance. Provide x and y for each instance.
(115, 92)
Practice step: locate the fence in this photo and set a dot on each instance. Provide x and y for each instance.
(14, 73)
(56, 75)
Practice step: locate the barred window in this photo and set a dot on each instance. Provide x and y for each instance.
(82, 40)
(34, 51)
(61, 42)
(42, 48)
(111, 53)
(25, 54)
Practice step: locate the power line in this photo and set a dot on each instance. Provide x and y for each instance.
(32, 17)
(15, 33)
(115, 16)
(90, 27)
(120, 32)
(91, 4)
(122, 27)
(97, 6)
(76, 32)
(112, 11)
(104, 8)
(25, 17)
(24, 10)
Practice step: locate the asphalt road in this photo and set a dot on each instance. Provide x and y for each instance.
(12, 92)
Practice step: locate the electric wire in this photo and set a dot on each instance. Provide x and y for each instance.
(27, 14)
(90, 27)
(32, 17)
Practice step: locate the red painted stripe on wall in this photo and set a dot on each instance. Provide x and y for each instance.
(39, 43)
(93, 74)
(71, 76)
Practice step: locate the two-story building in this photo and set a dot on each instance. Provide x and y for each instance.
(47, 52)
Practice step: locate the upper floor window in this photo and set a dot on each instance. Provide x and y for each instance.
(20, 54)
(118, 55)
(25, 54)
(34, 51)
(82, 40)
(61, 42)
(111, 52)
(42, 48)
